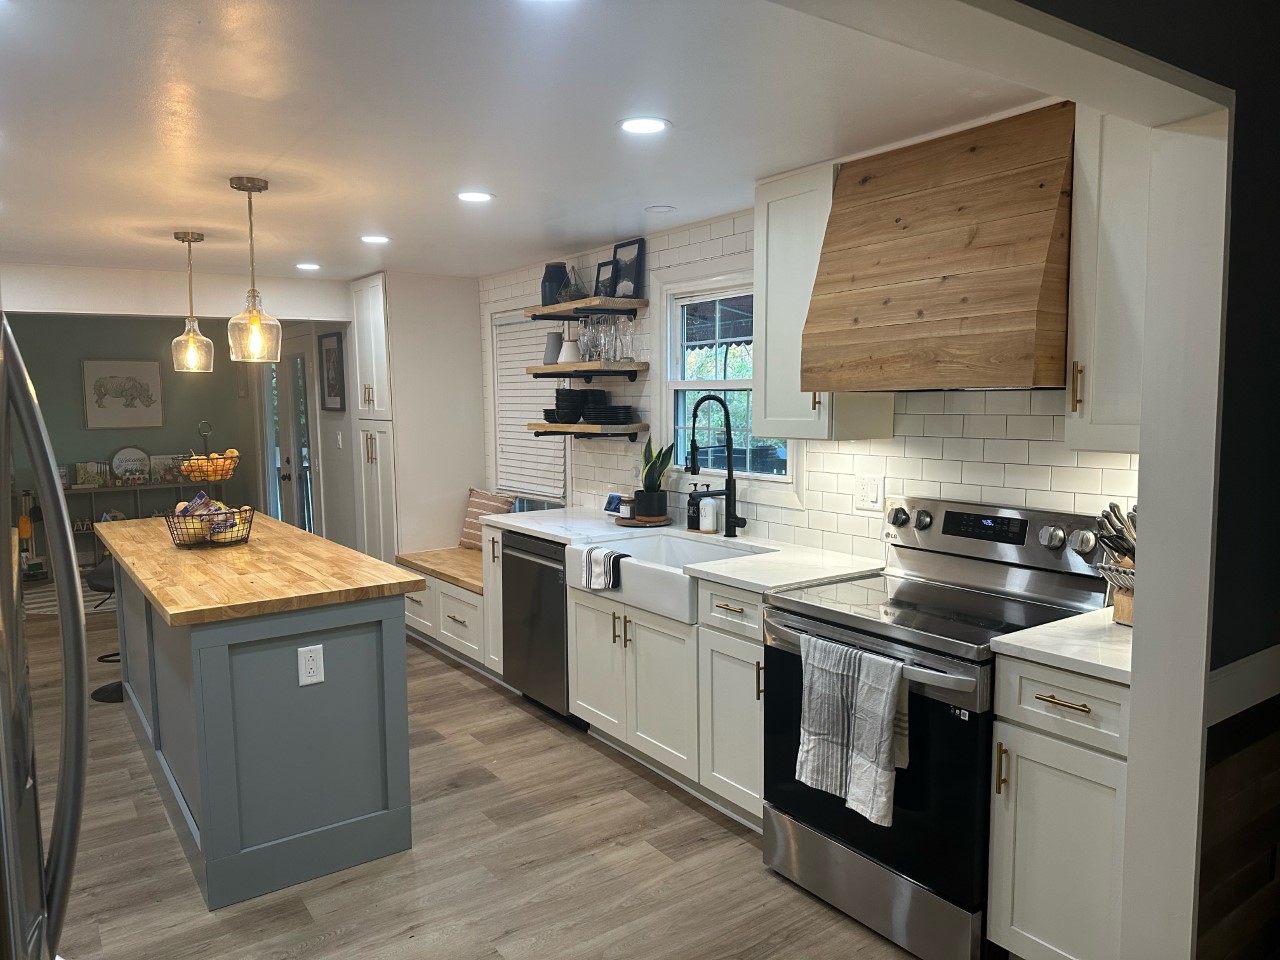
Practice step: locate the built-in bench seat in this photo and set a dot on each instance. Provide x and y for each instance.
(461, 566)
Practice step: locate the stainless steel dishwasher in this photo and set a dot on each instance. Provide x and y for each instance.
(535, 640)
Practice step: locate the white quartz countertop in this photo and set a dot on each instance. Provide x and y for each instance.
(774, 565)
(1090, 643)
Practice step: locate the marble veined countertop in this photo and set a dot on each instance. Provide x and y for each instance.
(1090, 643)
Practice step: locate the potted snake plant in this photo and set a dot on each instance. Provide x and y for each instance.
(651, 501)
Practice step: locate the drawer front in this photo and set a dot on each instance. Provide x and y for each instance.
(739, 612)
(422, 608)
(461, 622)
(1082, 709)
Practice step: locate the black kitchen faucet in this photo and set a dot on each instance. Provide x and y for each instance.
(732, 522)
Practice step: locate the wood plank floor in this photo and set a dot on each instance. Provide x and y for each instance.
(531, 840)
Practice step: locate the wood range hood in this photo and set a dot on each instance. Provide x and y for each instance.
(944, 264)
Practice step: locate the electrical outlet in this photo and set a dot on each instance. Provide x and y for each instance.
(868, 493)
(310, 665)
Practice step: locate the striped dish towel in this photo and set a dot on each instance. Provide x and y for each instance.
(853, 726)
(602, 569)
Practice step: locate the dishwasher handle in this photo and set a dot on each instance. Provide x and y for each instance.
(512, 553)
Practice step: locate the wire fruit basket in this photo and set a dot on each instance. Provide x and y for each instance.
(223, 528)
(199, 467)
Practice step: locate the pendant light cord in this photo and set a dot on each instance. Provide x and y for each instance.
(253, 281)
(191, 300)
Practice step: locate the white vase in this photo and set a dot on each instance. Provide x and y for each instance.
(569, 352)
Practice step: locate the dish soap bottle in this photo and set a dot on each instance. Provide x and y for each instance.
(694, 518)
(708, 514)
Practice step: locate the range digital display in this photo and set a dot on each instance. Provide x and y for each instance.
(979, 526)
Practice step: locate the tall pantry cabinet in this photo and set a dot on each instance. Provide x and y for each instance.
(375, 456)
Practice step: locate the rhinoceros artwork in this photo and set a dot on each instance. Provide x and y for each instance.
(121, 394)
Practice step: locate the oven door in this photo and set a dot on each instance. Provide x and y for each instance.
(940, 808)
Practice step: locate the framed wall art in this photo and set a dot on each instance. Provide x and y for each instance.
(122, 394)
(333, 373)
(628, 272)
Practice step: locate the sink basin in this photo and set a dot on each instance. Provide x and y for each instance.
(653, 577)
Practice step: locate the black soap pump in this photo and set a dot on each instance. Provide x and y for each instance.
(693, 515)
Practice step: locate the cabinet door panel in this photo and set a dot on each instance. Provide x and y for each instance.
(597, 663)
(373, 365)
(376, 492)
(1057, 832)
(662, 686)
(731, 718)
(491, 543)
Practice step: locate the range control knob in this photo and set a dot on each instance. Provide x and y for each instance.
(924, 520)
(1054, 538)
(899, 517)
(1083, 541)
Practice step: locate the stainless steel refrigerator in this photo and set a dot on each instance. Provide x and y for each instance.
(35, 879)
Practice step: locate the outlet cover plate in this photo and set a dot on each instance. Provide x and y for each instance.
(310, 665)
(868, 493)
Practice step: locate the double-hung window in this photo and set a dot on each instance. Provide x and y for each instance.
(711, 353)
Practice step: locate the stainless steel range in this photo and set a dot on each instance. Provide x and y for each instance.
(958, 574)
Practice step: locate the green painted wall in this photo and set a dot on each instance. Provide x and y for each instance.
(53, 346)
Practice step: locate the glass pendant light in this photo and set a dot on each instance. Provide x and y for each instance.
(254, 336)
(192, 350)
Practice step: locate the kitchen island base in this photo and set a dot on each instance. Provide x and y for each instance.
(269, 783)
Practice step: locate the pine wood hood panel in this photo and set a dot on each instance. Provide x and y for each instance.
(944, 264)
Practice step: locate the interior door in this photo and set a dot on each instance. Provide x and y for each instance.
(295, 378)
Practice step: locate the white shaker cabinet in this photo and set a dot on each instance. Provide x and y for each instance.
(731, 718)
(376, 490)
(372, 355)
(633, 675)
(491, 544)
(790, 222)
(1111, 187)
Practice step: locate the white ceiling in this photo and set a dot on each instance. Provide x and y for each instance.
(121, 120)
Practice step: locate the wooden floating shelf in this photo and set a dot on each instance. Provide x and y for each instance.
(588, 431)
(577, 309)
(588, 369)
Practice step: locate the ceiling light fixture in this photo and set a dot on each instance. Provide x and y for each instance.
(192, 350)
(660, 208)
(475, 196)
(644, 124)
(254, 336)
(307, 266)
(375, 238)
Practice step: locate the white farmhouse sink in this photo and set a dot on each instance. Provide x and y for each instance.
(653, 576)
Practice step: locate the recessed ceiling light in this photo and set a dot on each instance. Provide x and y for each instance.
(375, 238)
(307, 266)
(475, 196)
(660, 208)
(644, 124)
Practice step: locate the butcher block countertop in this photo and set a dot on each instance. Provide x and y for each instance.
(280, 569)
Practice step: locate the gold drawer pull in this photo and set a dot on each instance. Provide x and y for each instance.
(1001, 752)
(1077, 377)
(725, 606)
(626, 638)
(615, 627)
(413, 599)
(1050, 698)
(814, 402)
(456, 619)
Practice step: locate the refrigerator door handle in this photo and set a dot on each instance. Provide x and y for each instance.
(69, 804)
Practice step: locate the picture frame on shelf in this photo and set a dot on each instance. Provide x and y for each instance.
(122, 394)
(628, 272)
(131, 466)
(167, 468)
(604, 279)
(333, 373)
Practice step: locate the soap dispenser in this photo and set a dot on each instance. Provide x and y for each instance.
(694, 518)
(708, 514)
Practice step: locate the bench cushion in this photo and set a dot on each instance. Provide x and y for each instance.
(461, 566)
(481, 503)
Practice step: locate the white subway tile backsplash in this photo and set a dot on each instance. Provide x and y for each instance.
(943, 425)
(869, 466)
(893, 447)
(808, 538)
(1027, 477)
(964, 401)
(906, 468)
(946, 471)
(926, 447)
(1004, 496)
(900, 402)
(735, 244)
(908, 425)
(1091, 503)
(813, 499)
(956, 448)
(837, 502)
(837, 463)
(928, 401)
(840, 542)
(854, 524)
(1051, 500)
(1009, 401)
(822, 481)
(893, 486)
(961, 491)
(1097, 458)
(722, 228)
(1004, 451)
(984, 425)
(922, 488)
(1076, 480)
(781, 532)
(983, 474)
(1048, 403)
(700, 234)
(744, 223)
(1050, 454)
(1030, 428)
(869, 547)
(1119, 483)
(822, 520)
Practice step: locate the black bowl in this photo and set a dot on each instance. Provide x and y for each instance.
(564, 416)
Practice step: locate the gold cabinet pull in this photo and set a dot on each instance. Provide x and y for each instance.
(1001, 752)
(1050, 698)
(493, 549)
(626, 638)
(725, 606)
(373, 448)
(615, 628)
(814, 402)
(759, 678)
(1077, 380)
(456, 619)
(412, 599)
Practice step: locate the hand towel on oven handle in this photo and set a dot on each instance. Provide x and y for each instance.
(602, 569)
(853, 726)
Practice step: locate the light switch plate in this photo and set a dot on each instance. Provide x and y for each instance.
(310, 665)
(868, 493)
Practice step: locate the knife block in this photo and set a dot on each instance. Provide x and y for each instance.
(1122, 611)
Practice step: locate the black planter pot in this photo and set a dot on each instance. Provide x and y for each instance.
(651, 506)
(553, 277)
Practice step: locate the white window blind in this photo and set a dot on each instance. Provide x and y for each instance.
(534, 466)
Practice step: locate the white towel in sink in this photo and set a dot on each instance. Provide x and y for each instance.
(602, 569)
(853, 726)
